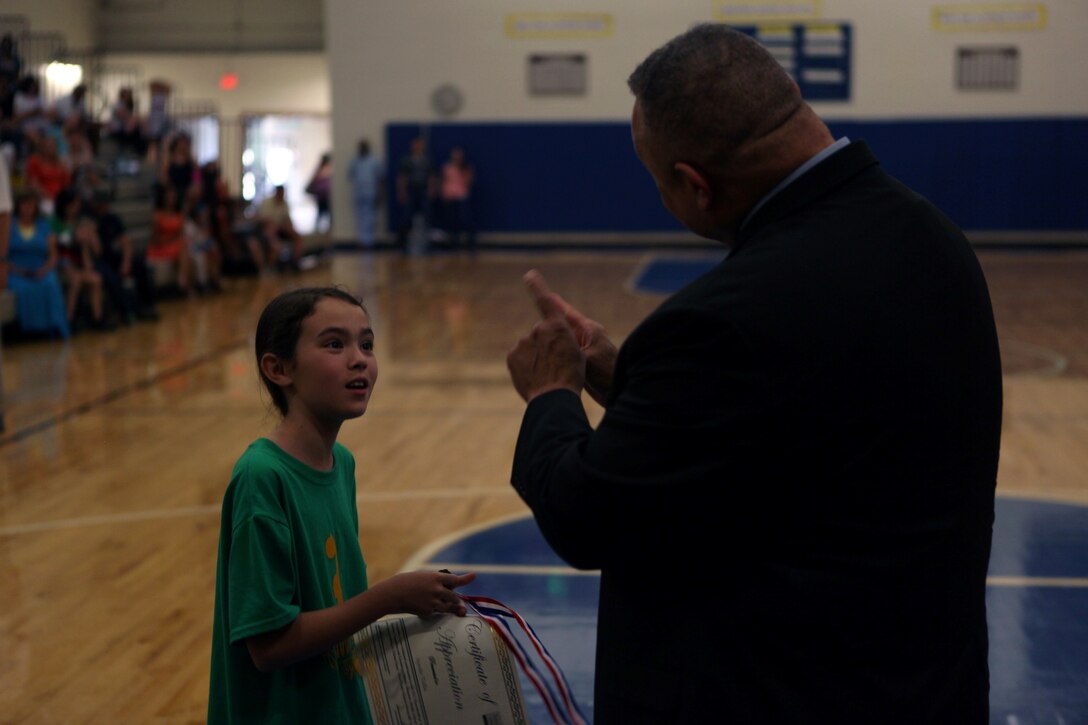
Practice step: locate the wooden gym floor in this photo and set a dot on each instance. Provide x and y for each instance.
(118, 446)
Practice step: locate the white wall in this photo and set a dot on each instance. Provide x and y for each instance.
(389, 55)
(903, 67)
(267, 82)
(132, 26)
(74, 19)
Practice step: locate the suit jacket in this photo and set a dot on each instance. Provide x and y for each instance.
(790, 496)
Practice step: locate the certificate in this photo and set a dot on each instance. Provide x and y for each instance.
(440, 670)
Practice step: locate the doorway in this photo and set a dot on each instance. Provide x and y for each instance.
(284, 150)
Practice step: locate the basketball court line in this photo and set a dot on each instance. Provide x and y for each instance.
(1041, 581)
(1057, 363)
(1035, 625)
(422, 559)
(114, 395)
(36, 527)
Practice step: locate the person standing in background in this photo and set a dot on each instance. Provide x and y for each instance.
(366, 174)
(456, 194)
(415, 190)
(320, 188)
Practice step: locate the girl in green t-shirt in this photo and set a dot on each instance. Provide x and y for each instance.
(291, 586)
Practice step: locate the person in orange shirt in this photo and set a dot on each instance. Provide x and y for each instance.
(168, 239)
(456, 187)
(47, 173)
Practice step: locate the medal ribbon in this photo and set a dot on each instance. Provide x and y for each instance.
(563, 709)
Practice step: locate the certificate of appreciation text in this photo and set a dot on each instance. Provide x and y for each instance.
(440, 670)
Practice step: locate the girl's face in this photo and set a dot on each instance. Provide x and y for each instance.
(334, 370)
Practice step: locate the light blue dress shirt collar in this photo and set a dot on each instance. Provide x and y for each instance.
(841, 143)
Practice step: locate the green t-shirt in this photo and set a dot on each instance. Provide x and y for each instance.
(288, 543)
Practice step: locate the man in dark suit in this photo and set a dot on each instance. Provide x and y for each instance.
(790, 494)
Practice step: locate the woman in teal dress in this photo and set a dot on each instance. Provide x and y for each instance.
(31, 264)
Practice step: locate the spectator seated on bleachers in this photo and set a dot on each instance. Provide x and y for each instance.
(77, 248)
(46, 172)
(119, 253)
(29, 112)
(71, 112)
(276, 244)
(168, 245)
(30, 266)
(125, 126)
(222, 216)
(203, 249)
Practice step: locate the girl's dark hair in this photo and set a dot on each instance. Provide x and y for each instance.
(280, 325)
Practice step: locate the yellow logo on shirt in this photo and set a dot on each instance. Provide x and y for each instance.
(344, 656)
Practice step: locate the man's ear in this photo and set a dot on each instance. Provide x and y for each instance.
(695, 183)
(275, 369)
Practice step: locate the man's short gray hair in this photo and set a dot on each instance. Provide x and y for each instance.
(709, 91)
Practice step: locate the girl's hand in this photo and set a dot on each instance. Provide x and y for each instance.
(425, 593)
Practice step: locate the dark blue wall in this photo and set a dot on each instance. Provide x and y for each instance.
(987, 175)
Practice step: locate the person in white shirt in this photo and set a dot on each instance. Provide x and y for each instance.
(275, 231)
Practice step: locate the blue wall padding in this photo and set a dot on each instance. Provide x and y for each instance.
(541, 177)
(987, 175)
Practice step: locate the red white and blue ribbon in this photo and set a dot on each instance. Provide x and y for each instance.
(556, 693)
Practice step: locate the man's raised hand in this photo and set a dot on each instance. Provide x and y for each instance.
(600, 353)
